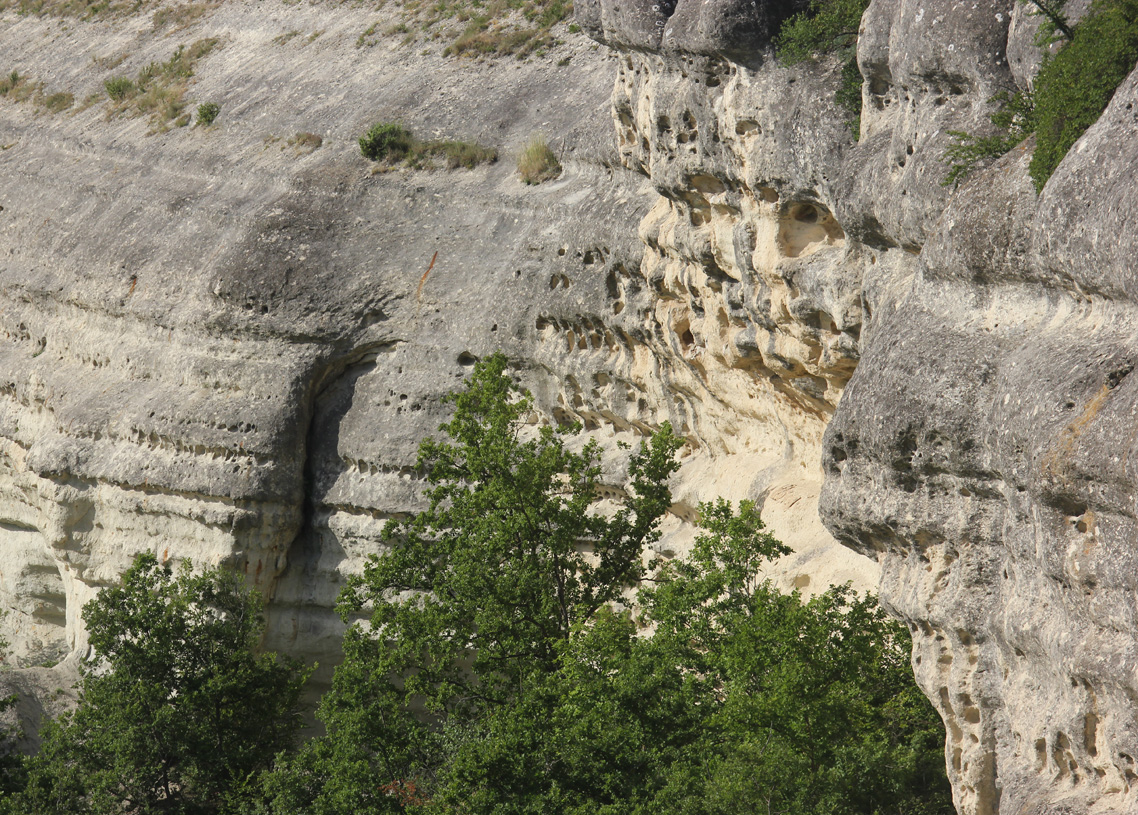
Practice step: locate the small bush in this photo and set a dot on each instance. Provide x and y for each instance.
(119, 88)
(1074, 87)
(1014, 121)
(207, 112)
(537, 162)
(827, 26)
(387, 140)
(16, 86)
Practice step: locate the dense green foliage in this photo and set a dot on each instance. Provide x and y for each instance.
(180, 714)
(1072, 89)
(207, 112)
(392, 143)
(828, 26)
(498, 672)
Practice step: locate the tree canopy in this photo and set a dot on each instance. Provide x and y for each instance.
(178, 713)
(513, 654)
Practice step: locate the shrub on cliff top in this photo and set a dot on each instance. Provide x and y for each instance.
(1074, 87)
(828, 26)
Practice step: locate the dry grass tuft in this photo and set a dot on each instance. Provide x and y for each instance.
(537, 162)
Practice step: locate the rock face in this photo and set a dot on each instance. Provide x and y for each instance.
(219, 346)
(980, 451)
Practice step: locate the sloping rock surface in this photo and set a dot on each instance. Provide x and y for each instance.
(219, 345)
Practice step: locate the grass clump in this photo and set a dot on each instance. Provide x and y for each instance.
(81, 9)
(392, 143)
(16, 86)
(159, 89)
(57, 102)
(490, 28)
(19, 88)
(460, 153)
(304, 142)
(537, 162)
(181, 16)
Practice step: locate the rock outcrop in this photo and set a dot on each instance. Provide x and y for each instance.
(980, 451)
(220, 346)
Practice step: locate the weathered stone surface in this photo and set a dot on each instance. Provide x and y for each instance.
(219, 347)
(980, 450)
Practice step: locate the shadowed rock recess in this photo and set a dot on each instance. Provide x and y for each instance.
(221, 345)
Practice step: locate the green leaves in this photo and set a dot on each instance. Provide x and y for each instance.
(828, 25)
(493, 670)
(179, 711)
(1013, 121)
(1074, 87)
(478, 595)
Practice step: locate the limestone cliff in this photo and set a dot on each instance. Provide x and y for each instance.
(218, 344)
(222, 344)
(981, 449)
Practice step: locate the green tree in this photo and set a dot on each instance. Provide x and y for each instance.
(179, 712)
(13, 776)
(475, 595)
(499, 670)
(740, 700)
